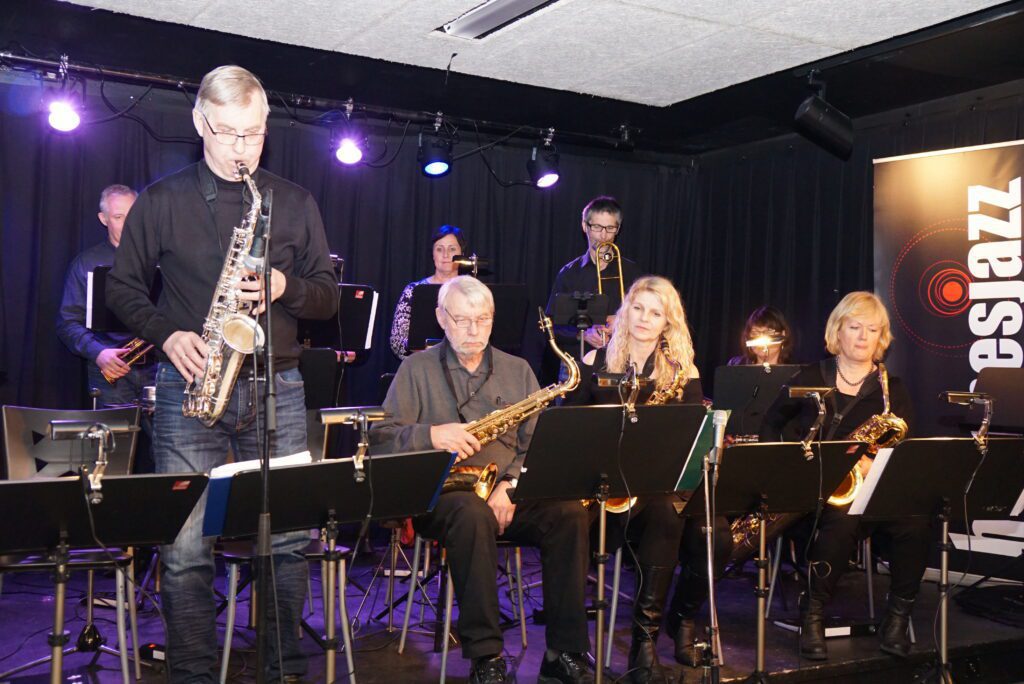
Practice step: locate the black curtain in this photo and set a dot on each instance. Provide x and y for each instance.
(779, 222)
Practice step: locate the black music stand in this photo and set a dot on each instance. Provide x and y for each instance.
(579, 310)
(510, 307)
(941, 469)
(52, 515)
(98, 316)
(748, 391)
(774, 477)
(575, 454)
(351, 330)
(327, 494)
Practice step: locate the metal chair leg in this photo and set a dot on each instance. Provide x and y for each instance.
(449, 602)
(417, 546)
(612, 613)
(869, 565)
(519, 591)
(773, 573)
(346, 626)
(229, 626)
(122, 636)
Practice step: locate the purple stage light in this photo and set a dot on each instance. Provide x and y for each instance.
(547, 180)
(63, 116)
(349, 152)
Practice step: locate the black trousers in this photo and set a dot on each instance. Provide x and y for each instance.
(652, 524)
(907, 542)
(467, 528)
(692, 586)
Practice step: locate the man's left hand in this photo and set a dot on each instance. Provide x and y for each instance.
(502, 506)
(252, 290)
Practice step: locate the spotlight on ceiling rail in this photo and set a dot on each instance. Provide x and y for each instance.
(823, 124)
(543, 163)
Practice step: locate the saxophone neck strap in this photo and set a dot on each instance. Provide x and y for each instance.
(488, 361)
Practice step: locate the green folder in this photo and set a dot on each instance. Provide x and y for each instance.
(693, 469)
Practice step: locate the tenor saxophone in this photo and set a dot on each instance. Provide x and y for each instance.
(481, 479)
(230, 332)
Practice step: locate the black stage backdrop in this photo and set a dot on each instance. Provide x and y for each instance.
(780, 222)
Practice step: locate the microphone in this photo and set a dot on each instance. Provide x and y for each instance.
(805, 392)
(719, 420)
(966, 398)
(605, 380)
(255, 258)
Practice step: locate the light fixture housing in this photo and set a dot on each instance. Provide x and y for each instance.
(435, 157)
(63, 115)
(349, 150)
(543, 167)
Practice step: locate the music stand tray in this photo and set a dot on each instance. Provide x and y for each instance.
(510, 309)
(351, 330)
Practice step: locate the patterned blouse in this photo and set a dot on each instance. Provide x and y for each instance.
(400, 323)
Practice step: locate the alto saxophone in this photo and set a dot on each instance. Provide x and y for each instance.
(880, 431)
(230, 332)
(481, 479)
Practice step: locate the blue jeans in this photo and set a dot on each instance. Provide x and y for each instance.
(186, 445)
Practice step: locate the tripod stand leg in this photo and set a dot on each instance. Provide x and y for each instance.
(332, 644)
(413, 580)
(122, 637)
(346, 632)
(448, 604)
(229, 626)
(944, 598)
(57, 637)
(133, 618)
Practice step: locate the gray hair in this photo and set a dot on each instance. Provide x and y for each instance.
(231, 84)
(475, 292)
(112, 190)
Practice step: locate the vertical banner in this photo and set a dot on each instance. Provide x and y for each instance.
(948, 267)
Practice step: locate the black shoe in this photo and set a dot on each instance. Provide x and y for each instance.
(812, 629)
(488, 670)
(567, 668)
(643, 664)
(893, 631)
(683, 631)
(689, 596)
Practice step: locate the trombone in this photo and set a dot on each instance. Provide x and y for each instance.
(608, 252)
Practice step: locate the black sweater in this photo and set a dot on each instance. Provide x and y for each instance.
(790, 419)
(588, 393)
(172, 225)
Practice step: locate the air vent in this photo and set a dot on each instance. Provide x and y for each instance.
(487, 18)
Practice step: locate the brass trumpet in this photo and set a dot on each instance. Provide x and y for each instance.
(134, 352)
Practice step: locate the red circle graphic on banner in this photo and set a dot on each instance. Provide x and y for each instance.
(945, 292)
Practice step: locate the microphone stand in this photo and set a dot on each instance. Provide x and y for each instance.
(711, 650)
(264, 557)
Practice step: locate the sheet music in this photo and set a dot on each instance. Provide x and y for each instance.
(230, 469)
(88, 300)
(373, 318)
(874, 475)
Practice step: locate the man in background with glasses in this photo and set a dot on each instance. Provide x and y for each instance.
(601, 223)
(434, 395)
(183, 223)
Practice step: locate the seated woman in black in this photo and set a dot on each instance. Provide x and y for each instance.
(649, 332)
(768, 323)
(857, 334)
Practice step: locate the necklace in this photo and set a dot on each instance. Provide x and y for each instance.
(847, 381)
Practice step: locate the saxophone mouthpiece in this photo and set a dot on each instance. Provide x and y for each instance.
(242, 170)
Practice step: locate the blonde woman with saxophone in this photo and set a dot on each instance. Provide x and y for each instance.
(480, 403)
(650, 334)
(857, 335)
(190, 224)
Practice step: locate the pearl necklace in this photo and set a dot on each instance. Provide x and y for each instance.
(847, 381)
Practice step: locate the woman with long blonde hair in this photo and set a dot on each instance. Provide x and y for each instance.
(650, 333)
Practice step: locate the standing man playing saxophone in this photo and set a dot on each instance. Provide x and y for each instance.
(434, 395)
(183, 224)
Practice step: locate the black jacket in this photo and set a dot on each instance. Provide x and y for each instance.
(790, 419)
(172, 225)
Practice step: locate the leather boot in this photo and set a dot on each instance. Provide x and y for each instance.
(893, 631)
(812, 629)
(690, 594)
(647, 613)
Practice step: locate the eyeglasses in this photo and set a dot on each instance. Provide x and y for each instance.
(226, 138)
(465, 323)
(597, 229)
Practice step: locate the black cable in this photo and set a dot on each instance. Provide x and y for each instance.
(401, 144)
(487, 164)
(117, 114)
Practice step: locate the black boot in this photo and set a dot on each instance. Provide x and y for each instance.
(812, 629)
(690, 594)
(893, 630)
(643, 657)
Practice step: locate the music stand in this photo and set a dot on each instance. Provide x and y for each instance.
(579, 310)
(576, 453)
(326, 494)
(510, 307)
(774, 477)
(52, 515)
(98, 316)
(941, 468)
(748, 391)
(1006, 387)
(351, 330)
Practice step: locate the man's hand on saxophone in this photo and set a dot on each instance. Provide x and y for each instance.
(453, 437)
(187, 351)
(252, 290)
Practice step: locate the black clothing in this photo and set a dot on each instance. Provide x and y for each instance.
(791, 419)
(838, 532)
(71, 319)
(580, 275)
(588, 393)
(183, 224)
(465, 525)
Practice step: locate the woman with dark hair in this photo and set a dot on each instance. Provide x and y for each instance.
(767, 323)
(448, 242)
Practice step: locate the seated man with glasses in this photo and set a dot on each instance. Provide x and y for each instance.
(602, 222)
(434, 395)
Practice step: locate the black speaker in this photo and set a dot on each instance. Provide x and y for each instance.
(825, 126)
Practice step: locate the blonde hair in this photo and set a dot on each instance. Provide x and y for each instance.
(858, 305)
(231, 84)
(676, 332)
(475, 292)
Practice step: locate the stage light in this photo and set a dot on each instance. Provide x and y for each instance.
(63, 116)
(349, 150)
(822, 123)
(543, 167)
(435, 157)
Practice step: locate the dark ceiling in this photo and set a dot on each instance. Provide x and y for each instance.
(977, 51)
